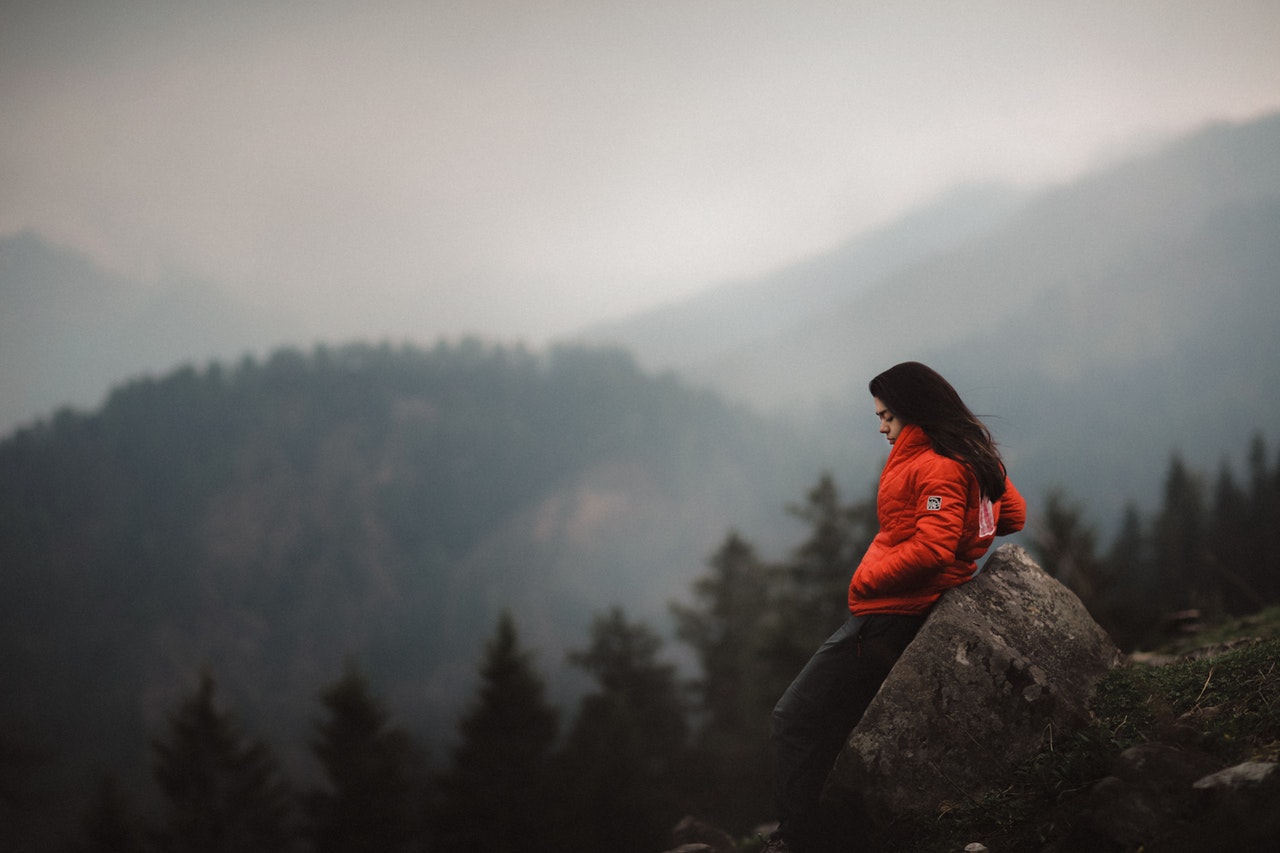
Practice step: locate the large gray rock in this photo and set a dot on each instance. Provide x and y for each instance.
(1003, 664)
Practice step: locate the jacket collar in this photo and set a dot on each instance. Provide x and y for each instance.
(910, 441)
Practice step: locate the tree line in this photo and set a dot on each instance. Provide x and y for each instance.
(1207, 552)
(512, 783)
(645, 745)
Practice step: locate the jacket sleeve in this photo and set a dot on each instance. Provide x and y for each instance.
(1013, 510)
(939, 512)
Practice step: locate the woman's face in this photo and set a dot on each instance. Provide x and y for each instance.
(890, 426)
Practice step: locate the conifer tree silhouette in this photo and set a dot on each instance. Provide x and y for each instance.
(222, 793)
(496, 796)
(373, 796)
(626, 759)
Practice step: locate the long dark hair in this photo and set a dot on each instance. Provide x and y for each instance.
(918, 395)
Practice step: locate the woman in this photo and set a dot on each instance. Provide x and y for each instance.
(943, 497)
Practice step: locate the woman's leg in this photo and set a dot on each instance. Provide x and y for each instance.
(823, 704)
(802, 726)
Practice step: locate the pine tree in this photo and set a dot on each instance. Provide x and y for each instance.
(1229, 543)
(1179, 543)
(374, 796)
(496, 795)
(1134, 613)
(1264, 521)
(738, 685)
(222, 794)
(723, 627)
(626, 753)
(1129, 555)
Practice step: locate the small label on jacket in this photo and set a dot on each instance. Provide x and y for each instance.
(934, 503)
(986, 519)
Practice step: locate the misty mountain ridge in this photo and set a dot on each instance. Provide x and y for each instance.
(70, 330)
(1100, 325)
(1092, 266)
(966, 264)
(720, 322)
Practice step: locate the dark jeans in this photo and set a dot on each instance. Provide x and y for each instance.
(818, 711)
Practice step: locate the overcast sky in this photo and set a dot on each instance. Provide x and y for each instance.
(401, 168)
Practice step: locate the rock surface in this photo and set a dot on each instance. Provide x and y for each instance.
(696, 836)
(1153, 801)
(1150, 786)
(1004, 664)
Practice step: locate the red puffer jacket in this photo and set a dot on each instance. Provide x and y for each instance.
(934, 527)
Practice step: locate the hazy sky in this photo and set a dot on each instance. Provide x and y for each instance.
(521, 168)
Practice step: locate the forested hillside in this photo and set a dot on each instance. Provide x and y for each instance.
(272, 519)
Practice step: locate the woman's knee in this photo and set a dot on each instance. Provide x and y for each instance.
(784, 716)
